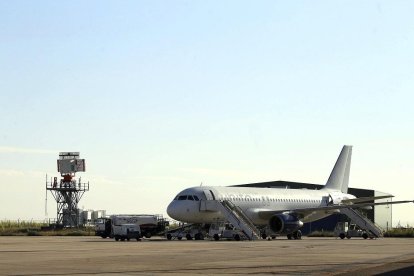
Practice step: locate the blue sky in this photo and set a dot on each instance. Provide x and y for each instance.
(162, 95)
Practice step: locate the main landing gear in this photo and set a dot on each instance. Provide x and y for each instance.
(297, 235)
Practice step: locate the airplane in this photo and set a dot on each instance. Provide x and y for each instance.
(283, 211)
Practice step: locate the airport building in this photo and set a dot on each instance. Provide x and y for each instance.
(380, 214)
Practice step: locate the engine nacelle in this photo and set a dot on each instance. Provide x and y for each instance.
(284, 224)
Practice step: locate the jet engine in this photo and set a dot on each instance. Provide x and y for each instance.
(284, 223)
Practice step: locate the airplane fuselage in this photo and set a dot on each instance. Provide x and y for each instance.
(187, 205)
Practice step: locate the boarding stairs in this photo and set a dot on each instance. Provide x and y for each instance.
(363, 222)
(233, 215)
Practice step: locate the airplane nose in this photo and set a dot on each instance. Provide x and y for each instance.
(171, 210)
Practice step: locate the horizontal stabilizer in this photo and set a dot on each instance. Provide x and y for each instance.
(364, 199)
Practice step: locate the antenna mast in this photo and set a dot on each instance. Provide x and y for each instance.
(67, 191)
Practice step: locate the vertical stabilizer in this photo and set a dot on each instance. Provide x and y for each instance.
(339, 178)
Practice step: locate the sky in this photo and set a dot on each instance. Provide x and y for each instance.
(159, 96)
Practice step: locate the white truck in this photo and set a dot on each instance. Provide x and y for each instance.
(126, 232)
(348, 230)
(148, 224)
(225, 231)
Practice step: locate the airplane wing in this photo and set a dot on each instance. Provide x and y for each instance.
(364, 199)
(303, 212)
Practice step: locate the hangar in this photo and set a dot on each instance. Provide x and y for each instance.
(381, 215)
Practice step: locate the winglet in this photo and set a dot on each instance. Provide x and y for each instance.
(339, 178)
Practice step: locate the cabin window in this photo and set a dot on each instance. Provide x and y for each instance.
(190, 197)
(183, 197)
(196, 198)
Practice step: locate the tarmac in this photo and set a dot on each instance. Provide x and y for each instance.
(309, 256)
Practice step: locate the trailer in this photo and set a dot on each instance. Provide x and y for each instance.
(214, 231)
(188, 231)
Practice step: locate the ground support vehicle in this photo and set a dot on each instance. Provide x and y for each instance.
(348, 230)
(215, 231)
(126, 232)
(149, 224)
(188, 231)
(103, 227)
(226, 231)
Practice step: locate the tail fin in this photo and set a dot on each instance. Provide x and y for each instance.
(339, 178)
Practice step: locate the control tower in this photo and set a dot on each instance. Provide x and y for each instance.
(67, 191)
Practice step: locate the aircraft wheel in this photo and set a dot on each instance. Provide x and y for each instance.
(342, 236)
(116, 239)
(264, 236)
(365, 236)
(180, 238)
(216, 237)
(169, 237)
(289, 236)
(237, 237)
(188, 237)
(297, 235)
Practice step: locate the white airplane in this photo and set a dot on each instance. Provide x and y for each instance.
(283, 210)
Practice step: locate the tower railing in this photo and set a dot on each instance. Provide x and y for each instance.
(68, 185)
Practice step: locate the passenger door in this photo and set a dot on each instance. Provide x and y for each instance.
(209, 195)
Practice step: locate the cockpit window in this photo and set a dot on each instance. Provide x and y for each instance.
(187, 197)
